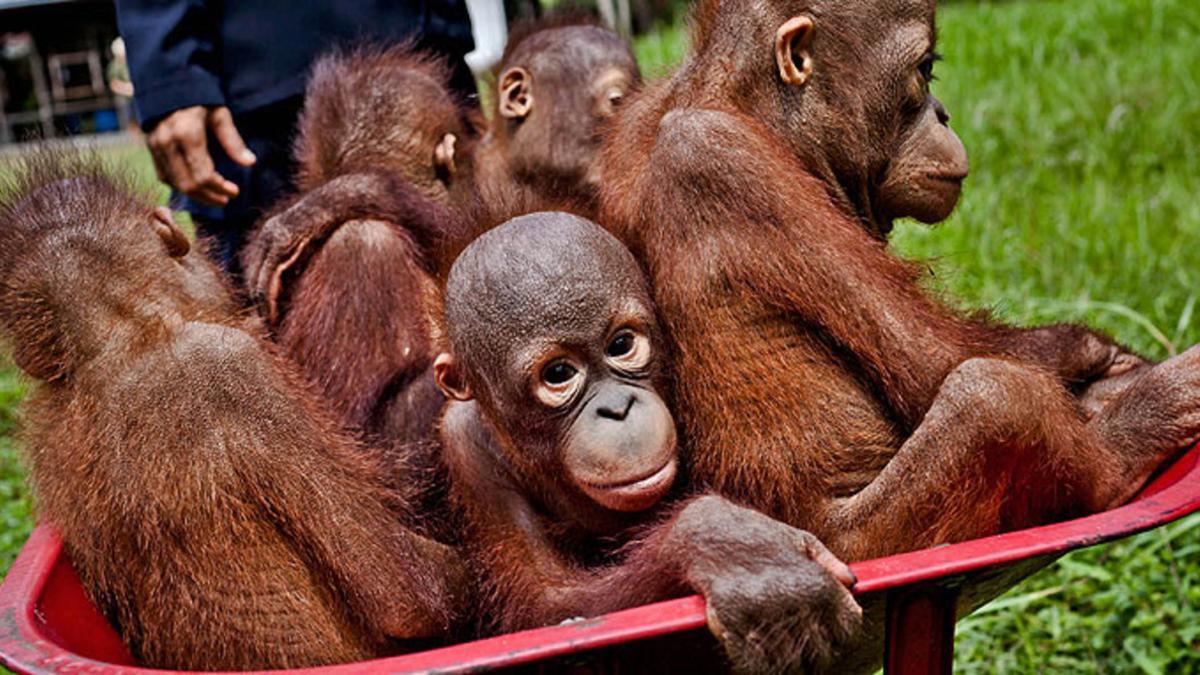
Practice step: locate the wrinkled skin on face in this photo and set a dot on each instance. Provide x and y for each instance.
(553, 332)
(558, 85)
(558, 445)
(866, 83)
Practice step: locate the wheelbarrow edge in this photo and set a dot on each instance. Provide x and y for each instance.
(27, 645)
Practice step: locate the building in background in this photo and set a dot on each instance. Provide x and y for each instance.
(55, 57)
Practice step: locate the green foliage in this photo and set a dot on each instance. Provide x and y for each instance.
(1081, 119)
(1083, 122)
(15, 507)
(658, 52)
(1127, 607)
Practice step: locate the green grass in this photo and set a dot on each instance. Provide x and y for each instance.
(15, 507)
(1082, 118)
(1083, 122)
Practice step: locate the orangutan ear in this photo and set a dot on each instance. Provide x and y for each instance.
(449, 378)
(516, 93)
(792, 42)
(173, 238)
(443, 158)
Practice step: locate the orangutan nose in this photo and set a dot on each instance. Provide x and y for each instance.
(942, 114)
(616, 407)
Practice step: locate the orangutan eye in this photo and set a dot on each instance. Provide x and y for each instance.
(610, 101)
(620, 345)
(926, 66)
(628, 351)
(560, 381)
(558, 373)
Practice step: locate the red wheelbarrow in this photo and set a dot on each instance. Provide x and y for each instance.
(911, 601)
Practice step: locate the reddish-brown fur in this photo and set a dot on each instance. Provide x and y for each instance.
(814, 378)
(346, 270)
(356, 314)
(213, 509)
(560, 496)
(544, 157)
(373, 108)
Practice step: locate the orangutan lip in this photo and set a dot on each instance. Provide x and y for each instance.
(663, 474)
(955, 179)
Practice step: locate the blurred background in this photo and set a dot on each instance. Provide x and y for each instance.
(1082, 118)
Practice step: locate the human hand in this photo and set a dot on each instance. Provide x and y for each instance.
(179, 145)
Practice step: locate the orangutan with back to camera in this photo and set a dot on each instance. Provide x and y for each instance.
(351, 299)
(212, 507)
(346, 272)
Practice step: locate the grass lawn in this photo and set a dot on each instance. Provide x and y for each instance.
(1083, 122)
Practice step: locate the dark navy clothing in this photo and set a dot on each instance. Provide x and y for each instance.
(249, 53)
(254, 56)
(267, 132)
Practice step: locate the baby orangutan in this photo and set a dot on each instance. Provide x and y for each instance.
(561, 79)
(213, 511)
(561, 450)
(345, 273)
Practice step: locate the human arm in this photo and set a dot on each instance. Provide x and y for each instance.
(171, 51)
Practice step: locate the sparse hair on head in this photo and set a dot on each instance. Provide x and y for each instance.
(522, 31)
(47, 186)
(516, 276)
(51, 196)
(478, 216)
(361, 109)
(44, 174)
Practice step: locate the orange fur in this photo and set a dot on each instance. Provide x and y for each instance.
(815, 379)
(214, 511)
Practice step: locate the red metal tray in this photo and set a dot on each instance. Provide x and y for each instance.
(911, 601)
